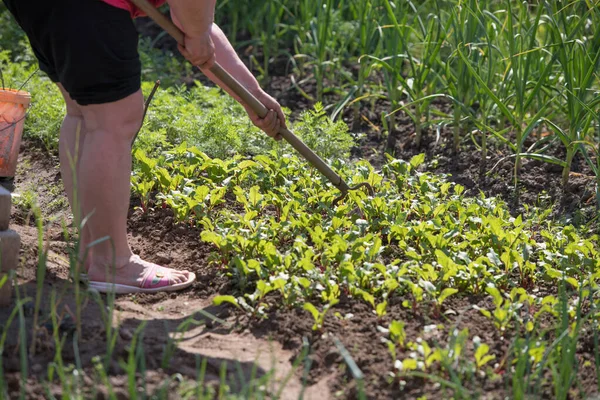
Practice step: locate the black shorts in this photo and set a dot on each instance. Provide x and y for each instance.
(88, 46)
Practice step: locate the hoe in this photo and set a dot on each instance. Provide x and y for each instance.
(256, 105)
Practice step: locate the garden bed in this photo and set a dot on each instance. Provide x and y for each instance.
(447, 283)
(238, 336)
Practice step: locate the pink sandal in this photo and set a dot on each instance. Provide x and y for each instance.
(156, 279)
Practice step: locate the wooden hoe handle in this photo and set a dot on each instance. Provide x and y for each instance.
(248, 98)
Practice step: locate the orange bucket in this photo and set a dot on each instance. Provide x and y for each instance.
(13, 110)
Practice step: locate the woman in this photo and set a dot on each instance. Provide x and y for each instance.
(89, 49)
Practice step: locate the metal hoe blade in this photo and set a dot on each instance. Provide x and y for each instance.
(345, 192)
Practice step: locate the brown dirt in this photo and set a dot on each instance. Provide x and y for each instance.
(362, 338)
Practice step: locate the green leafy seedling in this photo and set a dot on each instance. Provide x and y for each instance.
(319, 317)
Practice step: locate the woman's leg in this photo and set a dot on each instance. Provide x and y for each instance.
(104, 187)
(70, 147)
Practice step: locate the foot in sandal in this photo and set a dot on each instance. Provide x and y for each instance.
(138, 276)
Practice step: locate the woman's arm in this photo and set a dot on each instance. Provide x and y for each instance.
(230, 61)
(194, 17)
(206, 43)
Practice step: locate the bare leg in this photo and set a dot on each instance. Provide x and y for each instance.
(104, 188)
(72, 137)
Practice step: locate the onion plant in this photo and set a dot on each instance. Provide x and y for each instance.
(265, 23)
(269, 30)
(422, 64)
(394, 30)
(577, 50)
(366, 13)
(524, 75)
(486, 108)
(321, 31)
(464, 31)
(322, 38)
(231, 16)
(593, 145)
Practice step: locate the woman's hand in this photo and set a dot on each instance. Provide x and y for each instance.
(198, 47)
(273, 121)
(199, 50)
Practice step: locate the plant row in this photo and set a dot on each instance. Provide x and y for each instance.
(417, 242)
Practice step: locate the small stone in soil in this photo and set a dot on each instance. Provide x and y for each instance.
(163, 258)
(315, 361)
(333, 356)
(125, 334)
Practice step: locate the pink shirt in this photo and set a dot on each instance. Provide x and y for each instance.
(129, 6)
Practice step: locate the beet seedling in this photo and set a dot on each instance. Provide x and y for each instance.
(319, 317)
